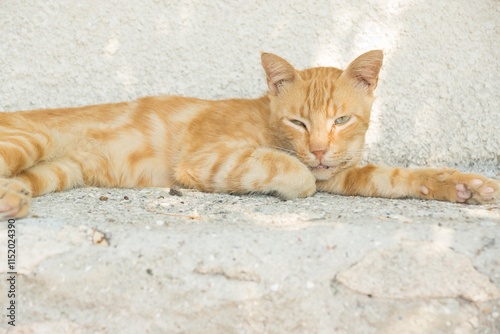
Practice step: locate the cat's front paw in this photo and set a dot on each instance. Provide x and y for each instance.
(15, 199)
(454, 186)
(301, 185)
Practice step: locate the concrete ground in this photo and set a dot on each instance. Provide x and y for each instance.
(151, 261)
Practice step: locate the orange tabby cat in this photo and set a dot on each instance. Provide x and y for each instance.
(306, 135)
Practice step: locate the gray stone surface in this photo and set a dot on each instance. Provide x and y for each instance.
(418, 270)
(215, 263)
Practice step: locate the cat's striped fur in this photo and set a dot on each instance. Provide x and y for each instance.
(307, 134)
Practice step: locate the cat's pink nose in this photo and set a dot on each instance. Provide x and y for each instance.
(319, 154)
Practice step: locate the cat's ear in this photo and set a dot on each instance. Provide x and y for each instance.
(278, 71)
(364, 70)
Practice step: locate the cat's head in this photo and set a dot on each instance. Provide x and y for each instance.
(322, 113)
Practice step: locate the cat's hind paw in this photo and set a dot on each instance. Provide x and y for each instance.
(15, 199)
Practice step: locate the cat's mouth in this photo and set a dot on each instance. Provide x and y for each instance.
(322, 172)
(320, 166)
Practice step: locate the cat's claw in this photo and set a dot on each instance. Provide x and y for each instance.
(15, 199)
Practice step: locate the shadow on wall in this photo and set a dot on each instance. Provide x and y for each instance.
(439, 97)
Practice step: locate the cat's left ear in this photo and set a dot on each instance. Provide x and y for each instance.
(278, 71)
(364, 70)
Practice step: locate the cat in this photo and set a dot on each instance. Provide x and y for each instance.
(306, 135)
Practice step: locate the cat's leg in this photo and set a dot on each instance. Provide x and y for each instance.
(240, 170)
(440, 184)
(45, 177)
(22, 144)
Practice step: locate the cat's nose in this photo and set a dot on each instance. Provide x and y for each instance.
(319, 154)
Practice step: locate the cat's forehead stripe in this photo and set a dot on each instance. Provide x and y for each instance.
(319, 97)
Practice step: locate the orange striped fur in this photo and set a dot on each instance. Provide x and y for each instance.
(307, 134)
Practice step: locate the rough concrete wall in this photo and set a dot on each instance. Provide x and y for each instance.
(438, 92)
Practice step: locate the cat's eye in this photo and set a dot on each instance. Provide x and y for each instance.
(299, 123)
(342, 120)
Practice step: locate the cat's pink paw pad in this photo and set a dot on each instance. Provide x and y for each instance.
(477, 182)
(424, 190)
(463, 193)
(8, 212)
(488, 190)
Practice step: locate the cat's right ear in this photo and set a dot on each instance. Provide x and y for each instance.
(278, 71)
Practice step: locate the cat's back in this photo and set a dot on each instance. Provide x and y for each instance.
(168, 107)
(186, 109)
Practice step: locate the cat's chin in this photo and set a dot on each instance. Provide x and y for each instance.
(322, 173)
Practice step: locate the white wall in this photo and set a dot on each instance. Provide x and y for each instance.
(438, 92)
